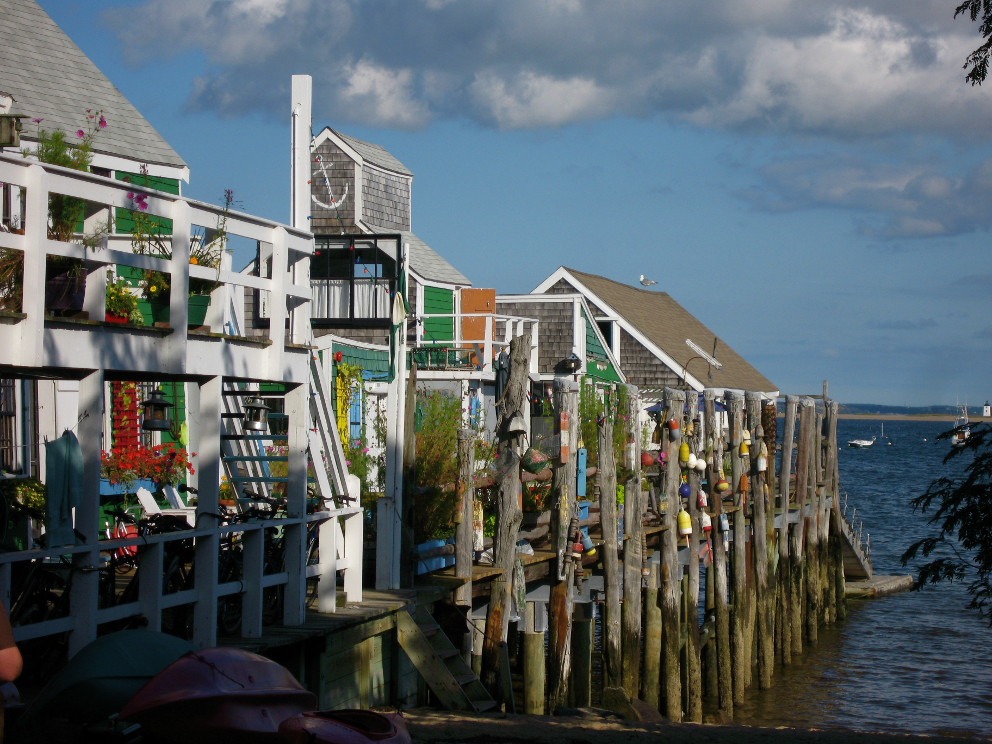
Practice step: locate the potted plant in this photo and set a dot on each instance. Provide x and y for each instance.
(122, 304)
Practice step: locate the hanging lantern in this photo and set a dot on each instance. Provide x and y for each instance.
(705, 522)
(256, 415)
(702, 500)
(691, 462)
(685, 491)
(684, 452)
(156, 413)
(685, 523)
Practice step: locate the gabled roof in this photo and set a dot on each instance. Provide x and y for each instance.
(51, 78)
(665, 324)
(375, 154)
(425, 261)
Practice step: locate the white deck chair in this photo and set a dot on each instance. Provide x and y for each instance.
(151, 508)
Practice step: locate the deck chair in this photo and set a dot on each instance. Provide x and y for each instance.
(150, 507)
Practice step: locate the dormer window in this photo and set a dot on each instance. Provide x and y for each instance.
(353, 279)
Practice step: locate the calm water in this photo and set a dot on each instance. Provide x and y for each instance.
(914, 662)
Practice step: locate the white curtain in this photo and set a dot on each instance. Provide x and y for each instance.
(330, 298)
(371, 300)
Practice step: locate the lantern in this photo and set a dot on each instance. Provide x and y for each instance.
(156, 413)
(256, 415)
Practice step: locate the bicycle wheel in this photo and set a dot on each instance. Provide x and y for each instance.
(178, 620)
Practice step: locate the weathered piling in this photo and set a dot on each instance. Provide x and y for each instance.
(463, 529)
(803, 462)
(607, 477)
(784, 614)
(740, 661)
(509, 515)
(836, 548)
(714, 454)
(671, 574)
(711, 685)
(650, 683)
(580, 679)
(633, 556)
(759, 525)
(693, 672)
(560, 605)
(812, 548)
(534, 676)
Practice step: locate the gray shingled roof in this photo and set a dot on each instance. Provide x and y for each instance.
(375, 154)
(425, 260)
(51, 78)
(666, 323)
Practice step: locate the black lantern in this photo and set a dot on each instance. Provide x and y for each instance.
(156, 417)
(256, 415)
(572, 364)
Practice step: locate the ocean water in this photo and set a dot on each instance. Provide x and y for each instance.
(913, 662)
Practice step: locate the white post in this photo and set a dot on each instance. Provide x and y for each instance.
(277, 303)
(327, 559)
(302, 103)
(205, 407)
(33, 282)
(175, 343)
(85, 584)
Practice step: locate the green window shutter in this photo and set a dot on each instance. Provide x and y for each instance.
(439, 301)
(169, 185)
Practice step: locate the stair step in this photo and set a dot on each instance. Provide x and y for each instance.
(464, 679)
(446, 653)
(483, 705)
(429, 629)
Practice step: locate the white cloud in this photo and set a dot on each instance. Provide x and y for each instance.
(534, 101)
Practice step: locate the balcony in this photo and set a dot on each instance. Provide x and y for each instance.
(476, 340)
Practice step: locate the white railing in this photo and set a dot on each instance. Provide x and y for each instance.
(491, 339)
(288, 288)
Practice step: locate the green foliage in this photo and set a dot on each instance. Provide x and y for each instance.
(978, 60)
(590, 409)
(437, 464)
(963, 516)
(29, 492)
(120, 301)
(11, 279)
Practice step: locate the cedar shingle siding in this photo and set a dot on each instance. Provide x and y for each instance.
(340, 171)
(642, 367)
(555, 319)
(563, 287)
(385, 200)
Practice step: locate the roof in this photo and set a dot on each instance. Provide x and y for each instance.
(425, 260)
(375, 154)
(667, 324)
(51, 78)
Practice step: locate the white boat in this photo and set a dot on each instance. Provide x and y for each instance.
(962, 430)
(861, 443)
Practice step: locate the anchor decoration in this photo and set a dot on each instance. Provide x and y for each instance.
(333, 203)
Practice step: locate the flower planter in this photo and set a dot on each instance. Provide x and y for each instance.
(65, 292)
(111, 318)
(156, 310)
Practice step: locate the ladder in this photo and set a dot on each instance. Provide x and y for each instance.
(440, 663)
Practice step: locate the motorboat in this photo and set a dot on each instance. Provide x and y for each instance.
(861, 443)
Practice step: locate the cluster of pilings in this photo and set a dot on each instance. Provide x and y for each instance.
(716, 609)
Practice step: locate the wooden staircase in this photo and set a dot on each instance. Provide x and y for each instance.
(440, 663)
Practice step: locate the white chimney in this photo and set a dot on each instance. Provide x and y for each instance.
(302, 104)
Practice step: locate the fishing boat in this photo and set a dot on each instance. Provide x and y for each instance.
(962, 429)
(861, 443)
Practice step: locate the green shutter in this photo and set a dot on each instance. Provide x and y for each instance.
(439, 301)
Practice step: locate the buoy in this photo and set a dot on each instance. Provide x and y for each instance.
(722, 486)
(742, 486)
(743, 449)
(705, 522)
(685, 522)
(587, 545)
(684, 452)
(701, 464)
(685, 491)
(647, 459)
(673, 425)
(725, 531)
(702, 500)
(691, 462)
(763, 458)
(747, 436)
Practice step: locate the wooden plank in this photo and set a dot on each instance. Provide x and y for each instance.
(429, 664)
(463, 528)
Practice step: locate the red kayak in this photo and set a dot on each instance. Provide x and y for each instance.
(344, 727)
(218, 695)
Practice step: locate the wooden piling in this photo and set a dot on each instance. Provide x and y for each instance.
(560, 605)
(580, 679)
(759, 525)
(650, 683)
(508, 519)
(671, 574)
(797, 538)
(693, 672)
(714, 452)
(812, 572)
(534, 678)
(784, 613)
(463, 529)
(607, 478)
(633, 556)
(709, 648)
(738, 587)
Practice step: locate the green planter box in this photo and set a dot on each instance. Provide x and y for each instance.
(157, 310)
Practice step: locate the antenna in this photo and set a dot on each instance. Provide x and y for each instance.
(711, 360)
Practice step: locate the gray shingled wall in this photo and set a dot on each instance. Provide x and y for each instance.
(563, 287)
(340, 171)
(642, 367)
(555, 319)
(385, 200)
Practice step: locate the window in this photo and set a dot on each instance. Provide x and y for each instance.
(353, 279)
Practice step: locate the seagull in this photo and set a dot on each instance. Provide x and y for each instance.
(647, 282)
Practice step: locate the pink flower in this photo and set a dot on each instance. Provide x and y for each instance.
(142, 206)
(103, 123)
(365, 450)
(37, 121)
(80, 133)
(130, 194)
(348, 463)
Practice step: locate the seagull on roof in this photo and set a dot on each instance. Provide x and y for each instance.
(647, 282)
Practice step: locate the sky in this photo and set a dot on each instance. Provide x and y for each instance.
(810, 180)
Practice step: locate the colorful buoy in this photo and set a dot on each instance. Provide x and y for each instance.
(685, 523)
(684, 452)
(702, 499)
(685, 491)
(722, 486)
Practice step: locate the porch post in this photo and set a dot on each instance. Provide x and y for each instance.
(204, 402)
(295, 535)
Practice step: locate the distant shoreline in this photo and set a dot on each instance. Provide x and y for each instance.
(909, 417)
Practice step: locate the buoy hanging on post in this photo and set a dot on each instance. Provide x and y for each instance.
(707, 525)
(763, 458)
(685, 526)
(701, 464)
(685, 490)
(684, 453)
(691, 462)
(702, 501)
(725, 530)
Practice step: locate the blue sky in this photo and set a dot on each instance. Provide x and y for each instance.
(813, 183)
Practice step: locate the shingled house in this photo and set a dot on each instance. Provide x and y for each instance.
(647, 331)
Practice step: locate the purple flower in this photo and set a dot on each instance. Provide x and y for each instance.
(142, 206)
(37, 121)
(80, 133)
(103, 123)
(348, 463)
(130, 194)
(365, 450)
